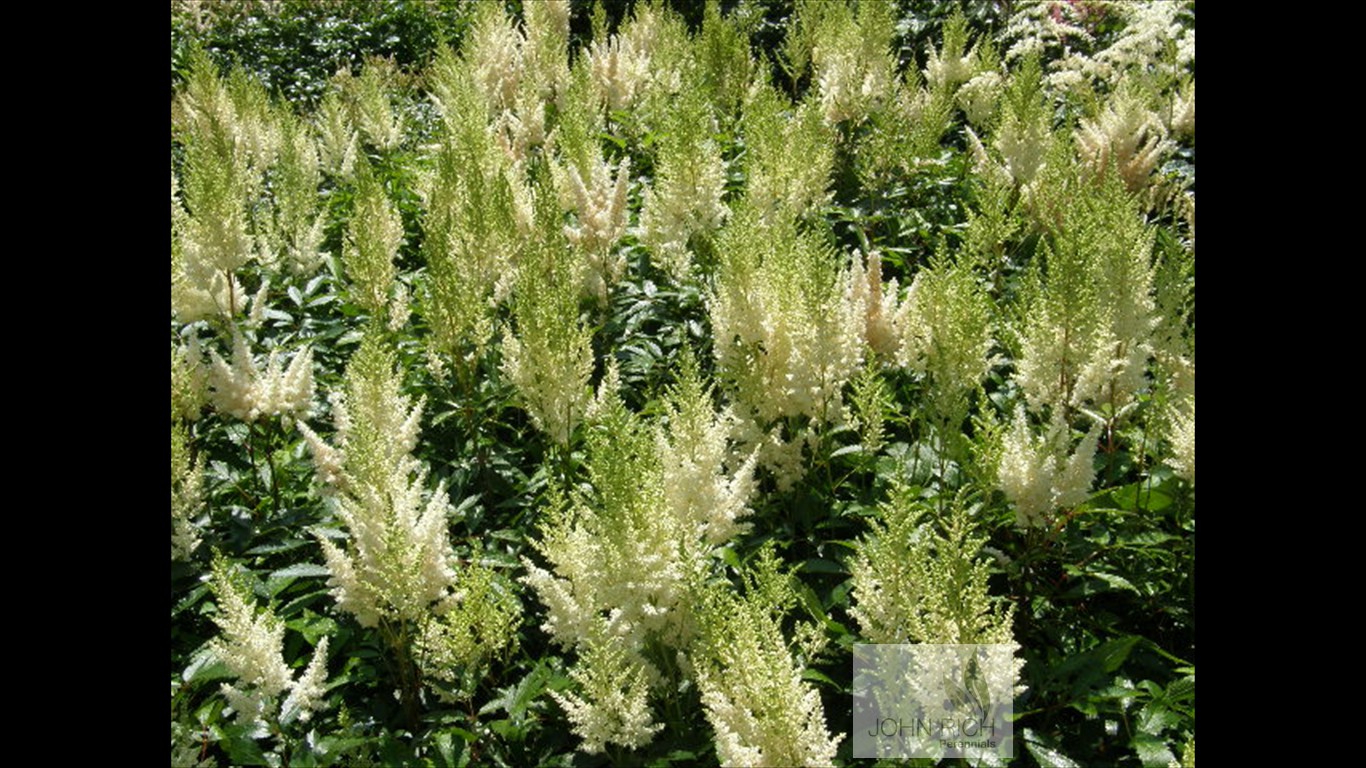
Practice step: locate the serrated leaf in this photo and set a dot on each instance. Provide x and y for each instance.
(242, 748)
(820, 677)
(205, 666)
(1152, 751)
(1047, 755)
(300, 571)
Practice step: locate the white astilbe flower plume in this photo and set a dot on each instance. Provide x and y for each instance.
(661, 502)
(694, 450)
(789, 322)
(187, 494)
(600, 207)
(251, 647)
(613, 706)
(1182, 437)
(306, 694)
(1127, 136)
(686, 199)
(244, 391)
(397, 563)
(620, 67)
(880, 302)
(762, 711)
(1038, 475)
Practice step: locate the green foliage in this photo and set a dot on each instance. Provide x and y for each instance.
(920, 578)
(295, 46)
(890, 312)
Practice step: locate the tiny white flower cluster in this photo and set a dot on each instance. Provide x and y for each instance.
(784, 725)
(945, 71)
(516, 70)
(244, 391)
(235, 137)
(397, 563)
(882, 304)
(614, 706)
(945, 330)
(694, 451)
(1151, 27)
(620, 66)
(1127, 136)
(686, 199)
(1182, 436)
(662, 503)
(1182, 118)
(1023, 146)
(979, 96)
(750, 677)
(338, 140)
(789, 154)
(1038, 476)
(551, 369)
(251, 647)
(599, 203)
(789, 327)
(187, 494)
(1151, 30)
(850, 86)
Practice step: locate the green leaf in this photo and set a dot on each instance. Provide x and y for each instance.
(821, 565)
(1087, 670)
(1151, 750)
(242, 748)
(300, 570)
(821, 677)
(729, 557)
(515, 699)
(1046, 754)
(855, 448)
(205, 666)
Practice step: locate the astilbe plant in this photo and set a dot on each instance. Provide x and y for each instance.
(475, 220)
(396, 562)
(849, 53)
(883, 305)
(619, 66)
(598, 200)
(368, 101)
(662, 502)
(750, 676)
(690, 180)
(372, 241)
(1087, 323)
(187, 471)
(395, 570)
(789, 154)
(549, 355)
(1182, 437)
(919, 576)
(251, 647)
(1041, 474)
(1023, 137)
(187, 494)
(1124, 137)
(244, 391)
(338, 139)
(227, 135)
(297, 228)
(788, 325)
(946, 335)
(611, 617)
